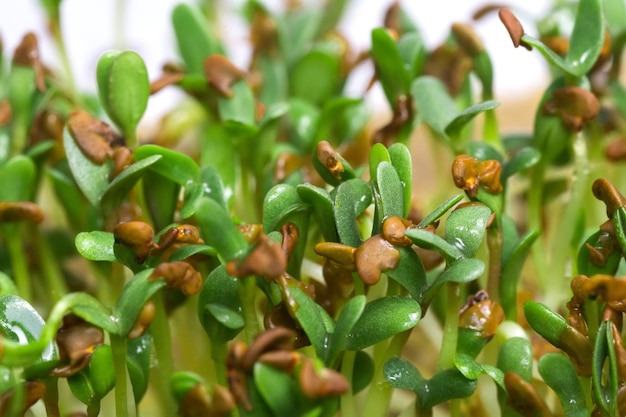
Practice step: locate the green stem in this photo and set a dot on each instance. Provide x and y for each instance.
(451, 326)
(379, 395)
(163, 346)
(50, 267)
(494, 242)
(218, 354)
(51, 398)
(491, 133)
(247, 295)
(535, 213)
(122, 397)
(19, 262)
(93, 410)
(57, 35)
(561, 247)
(347, 369)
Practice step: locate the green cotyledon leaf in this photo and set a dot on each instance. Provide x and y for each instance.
(564, 382)
(383, 318)
(124, 89)
(587, 38)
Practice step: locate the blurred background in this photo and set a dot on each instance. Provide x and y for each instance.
(95, 26)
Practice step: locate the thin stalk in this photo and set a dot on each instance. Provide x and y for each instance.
(163, 346)
(16, 400)
(19, 262)
(535, 213)
(451, 326)
(247, 295)
(93, 410)
(562, 246)
(122, 397)
(347, 407)
(379, 395)
(494, 243)
(51, 399)
(50, 267)
(491, 133)
(218, 354)
(57, 36)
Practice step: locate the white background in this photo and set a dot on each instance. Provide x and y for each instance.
(90, 29)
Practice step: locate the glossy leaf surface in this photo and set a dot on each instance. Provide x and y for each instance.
(587, 38)
(465, 228)
(96, 245)
(383, 318)
(219, 307)
(559, 373)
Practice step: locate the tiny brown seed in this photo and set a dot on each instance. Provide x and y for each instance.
(468, 173)
(6, 114)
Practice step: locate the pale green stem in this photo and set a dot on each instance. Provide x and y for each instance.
(50, 267)
(535, 213)
(561, 247)
(19, 262)
(451, 326)
(348, 408)
(122, 397)
(491, 134)
(247, 295)
(379, 395)
(57, 35)
(494, 242)
(163, 346)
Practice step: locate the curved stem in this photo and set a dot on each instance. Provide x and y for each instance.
(19, 262)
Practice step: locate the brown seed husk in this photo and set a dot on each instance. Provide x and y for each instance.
(481, 314)
(338, 253)
(92, 136)
(14, 211)
(276, 339)
(76, 340)
(523, 397)
(514, 27)
(33, 390)
(27, 54)
(467, 38)
(266, 259)
(574, 105)
(327, 155)
(136, 235)
(326, 383)
(179, 274)
(221, 74)
(394, 228)
(606, 192)
(469, 173)
(375, 256)
(144, 319)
